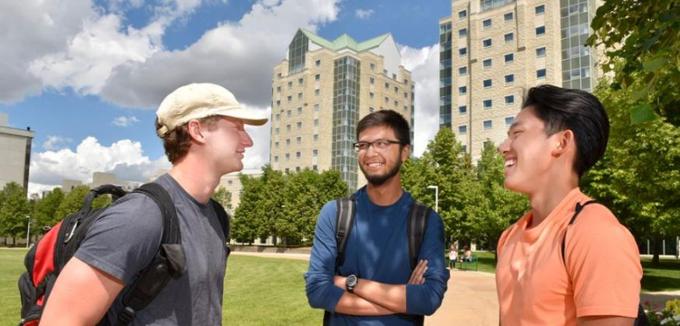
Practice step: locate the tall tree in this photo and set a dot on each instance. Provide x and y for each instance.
(245, 221)
(14, 211)
(72, 202)
(643, 37)
(223, 197)
(45, 211)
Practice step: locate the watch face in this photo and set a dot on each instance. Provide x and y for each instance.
(351, 280)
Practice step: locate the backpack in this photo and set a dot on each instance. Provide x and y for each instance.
(344, 218)
(45, 260)
(641, 319)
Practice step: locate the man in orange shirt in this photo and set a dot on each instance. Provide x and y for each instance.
(552, 270)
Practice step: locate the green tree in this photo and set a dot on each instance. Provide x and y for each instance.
(491, 208)
(245, 223)
(639, 177)
(14, 211)
(72, 202)
(444, 164)
(45, 210)
(643, 37)
(223, 197)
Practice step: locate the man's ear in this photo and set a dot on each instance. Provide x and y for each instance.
(564, 141)
(194, 129)
(405, 153)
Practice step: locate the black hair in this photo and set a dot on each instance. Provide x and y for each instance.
(576, 110)
(388, 118)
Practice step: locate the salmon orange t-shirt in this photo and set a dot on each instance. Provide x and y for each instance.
(601, 277)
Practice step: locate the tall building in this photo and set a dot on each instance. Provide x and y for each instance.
(15, 150)
(320, 92)
(493, 51)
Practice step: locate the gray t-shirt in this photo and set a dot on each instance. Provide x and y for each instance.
(125, 238)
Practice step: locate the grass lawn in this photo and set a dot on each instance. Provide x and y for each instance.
(257, 291)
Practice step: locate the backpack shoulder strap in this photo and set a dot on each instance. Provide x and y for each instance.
(344, 219)
(169, 262)
(577, 210)
(223, 217)
(417, 223)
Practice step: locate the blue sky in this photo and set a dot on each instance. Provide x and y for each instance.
(86, 76)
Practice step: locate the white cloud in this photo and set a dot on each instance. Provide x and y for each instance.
(55, 142)
(424, 66)
(363, 13)
(238, 55)
(124, 121)
(124, 158)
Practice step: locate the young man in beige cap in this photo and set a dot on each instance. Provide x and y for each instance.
(202, 128)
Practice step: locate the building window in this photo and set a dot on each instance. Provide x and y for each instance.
(298, 140)
(508, 16)
(540, 73)
(462, 52)
(486, 23)
(509, 99)
(509, 58)
(387, 85)
(462, 90)
(276, 144)
(299, 125)
(299, 111)
(301, 81)
(509, 37)
(297, 154)
(299, 96)
(316, 137)
(316, 108)
(540, 52)
(372, 65)
(509, 79)
(487, 83)
(488, 124)
(287, 156)
(371, 95)
(317, 77)
(486, 43)
(396, 89)
(278, 117)
(462, 32)
(288, 142)
(462, 129)
(462, 14)
(316, 122)
(290, 84)
(540, 30)
(276, 130)
(288, 113)
(509, 120)
(315, 152)
(288, 128)
(371, 80)
(278, 103)
(316, 92)
(462, 109)
(487, 63)
(540, 10)
(371, 109)
(462, 71)
(276, 158)
(290, 98)
(488, 104)
(278, 89)
(318, 63)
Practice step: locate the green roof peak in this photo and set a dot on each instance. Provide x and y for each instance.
(345, 41)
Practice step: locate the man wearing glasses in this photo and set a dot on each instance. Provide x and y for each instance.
(374, 284)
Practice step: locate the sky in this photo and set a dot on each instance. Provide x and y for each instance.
(87, 76)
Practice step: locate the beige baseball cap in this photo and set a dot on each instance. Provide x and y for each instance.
(200, 100)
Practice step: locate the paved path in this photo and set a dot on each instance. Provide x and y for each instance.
(471, 296)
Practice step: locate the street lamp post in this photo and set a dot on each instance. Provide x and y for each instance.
(436, 197)
(28, 231)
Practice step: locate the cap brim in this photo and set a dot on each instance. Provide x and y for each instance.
(248, 116)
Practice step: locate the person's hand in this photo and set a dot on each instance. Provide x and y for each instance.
(418, 274)
(339, 281)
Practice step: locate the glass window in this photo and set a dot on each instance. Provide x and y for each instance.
(298, 140)
(488, 124)
(509, 99)
(462, 51)
(486, 63)
(540, 10)
(540, 30)
(509, 78)
(510, 57)
(509, 121)
(299, 125)
(300, 81)
(509, 37)
(462, 109)
(317, 77)
(462, 32)
(462, 90)
(297, 154)
(462, 14)
(486, 23)
(315, 152)
(371, 80)
(508, 16)
(540, 52)
(540, 73)
(487, 83)
(486, 43)
(462, 129)
(299, 111)
(487, 104)
(462, 71)
(318, 63)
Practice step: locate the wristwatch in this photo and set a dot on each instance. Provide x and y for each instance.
(350, 282)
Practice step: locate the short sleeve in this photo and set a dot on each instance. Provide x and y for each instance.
(603, 262)
(124, 238)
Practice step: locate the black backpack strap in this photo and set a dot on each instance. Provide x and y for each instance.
(224, 219)
(577, 210)
(417, 223)
(344, 219)
(168, 263)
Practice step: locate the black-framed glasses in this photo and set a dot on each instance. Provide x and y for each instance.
(379, 144)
